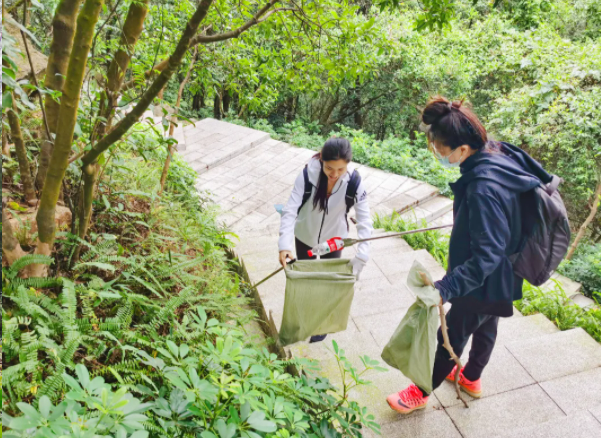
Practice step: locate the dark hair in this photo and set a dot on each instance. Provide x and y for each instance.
(335, 148)
(452, 124)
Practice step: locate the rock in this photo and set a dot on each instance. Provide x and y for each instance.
(24, 223)
(39, 60)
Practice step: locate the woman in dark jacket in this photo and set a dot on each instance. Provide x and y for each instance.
(487, 209)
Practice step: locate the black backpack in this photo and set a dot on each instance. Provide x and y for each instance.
(547, 234)
(351, 189)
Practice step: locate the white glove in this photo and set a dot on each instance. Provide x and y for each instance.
(358, 263)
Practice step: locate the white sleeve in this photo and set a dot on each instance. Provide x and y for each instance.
(364, 222)
(289, 214)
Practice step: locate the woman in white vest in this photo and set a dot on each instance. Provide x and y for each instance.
(334, 186)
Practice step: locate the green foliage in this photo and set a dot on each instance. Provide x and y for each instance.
(90, 409)
(556, 306)
(585, 267)
(435, 242)
(154, 313)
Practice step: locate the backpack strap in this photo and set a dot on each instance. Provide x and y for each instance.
(553, 185)
(308, 188)
(351, 190)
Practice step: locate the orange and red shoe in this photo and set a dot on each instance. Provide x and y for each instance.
(408, 400)
(472, 388)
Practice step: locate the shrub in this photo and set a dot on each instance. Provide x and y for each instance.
(585, 267)
(435, 242)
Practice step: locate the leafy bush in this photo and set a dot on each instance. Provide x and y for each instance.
(585, 267)
(556, 306)
(152, 308)
(435, 241)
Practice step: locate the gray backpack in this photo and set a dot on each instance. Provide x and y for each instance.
(546, 234)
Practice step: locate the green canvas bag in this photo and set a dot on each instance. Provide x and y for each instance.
(318, 298)
(412, 347)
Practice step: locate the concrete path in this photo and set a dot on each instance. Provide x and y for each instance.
(540, 382)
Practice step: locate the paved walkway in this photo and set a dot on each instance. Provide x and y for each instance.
(540, 382)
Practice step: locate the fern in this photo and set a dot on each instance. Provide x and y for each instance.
(37, 282)
(31, 259)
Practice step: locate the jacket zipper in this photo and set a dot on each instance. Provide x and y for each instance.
(323, 218)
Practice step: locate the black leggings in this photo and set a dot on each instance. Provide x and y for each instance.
(462, 324)
(301, 252)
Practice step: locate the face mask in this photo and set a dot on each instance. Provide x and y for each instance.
(444, 161)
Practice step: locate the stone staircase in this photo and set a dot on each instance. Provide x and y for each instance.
(540, 382)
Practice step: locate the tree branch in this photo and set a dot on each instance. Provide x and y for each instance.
(173, 63)
(582, 230)
(363, 105)
(447, 344)
(204, 39)
(35, 80)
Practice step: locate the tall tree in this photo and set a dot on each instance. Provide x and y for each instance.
(132, 28)
(67, 118)
(63, 30)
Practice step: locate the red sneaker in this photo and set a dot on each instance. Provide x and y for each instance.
(408, 400)
(472, 388)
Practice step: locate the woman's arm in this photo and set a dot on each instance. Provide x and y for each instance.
(364, 222)
(489, 234)
(289, 214)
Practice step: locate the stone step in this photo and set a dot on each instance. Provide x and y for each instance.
(210, 143)
(570, 287)
(429, 210)
(581, 425)
(556, 355)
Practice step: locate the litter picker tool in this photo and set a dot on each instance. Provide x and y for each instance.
(351, 242)
(273, 273)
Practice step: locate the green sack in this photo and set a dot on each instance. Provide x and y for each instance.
(412, 347)
(318, 299)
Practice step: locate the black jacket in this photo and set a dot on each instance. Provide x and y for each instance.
(488, 229)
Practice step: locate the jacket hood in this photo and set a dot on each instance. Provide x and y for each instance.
(508, 165)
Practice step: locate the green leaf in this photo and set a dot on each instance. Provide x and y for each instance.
(7, 100)
(225, 430)
(257, 421)
(45, 406)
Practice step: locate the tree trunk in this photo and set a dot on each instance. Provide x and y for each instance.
(5, 146)
(174, 120)
(582, 230)
(86, 197)
(132, 28)
(11, 248)
(21, 151)
(174, 61)
(217, 106)
(225, 100)
(67, 118)
(328, 109)
(63, 29)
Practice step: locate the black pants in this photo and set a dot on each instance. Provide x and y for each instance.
(461, 325)
(301, 252)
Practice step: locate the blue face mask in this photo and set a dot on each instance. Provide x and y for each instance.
(444, 161)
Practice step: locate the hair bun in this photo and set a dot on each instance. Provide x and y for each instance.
(436, 110)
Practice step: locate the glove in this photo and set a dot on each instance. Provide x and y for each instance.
(358, 263)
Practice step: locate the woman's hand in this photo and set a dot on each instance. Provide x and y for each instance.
(284, 255)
